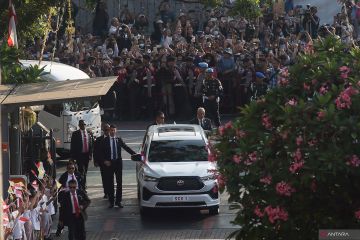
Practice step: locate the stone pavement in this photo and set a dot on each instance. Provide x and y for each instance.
(158, 235)
(126, 223)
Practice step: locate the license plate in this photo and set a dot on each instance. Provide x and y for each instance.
(180, 199)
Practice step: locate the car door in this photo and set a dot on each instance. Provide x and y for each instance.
(143, 152)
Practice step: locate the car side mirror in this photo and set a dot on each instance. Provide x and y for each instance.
(136, 157)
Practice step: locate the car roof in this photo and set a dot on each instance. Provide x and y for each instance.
(176, 132)
(57, 71)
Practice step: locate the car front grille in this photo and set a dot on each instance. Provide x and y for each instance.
(180, 183)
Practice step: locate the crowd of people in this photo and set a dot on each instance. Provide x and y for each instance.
(160, 69)
(29, 209)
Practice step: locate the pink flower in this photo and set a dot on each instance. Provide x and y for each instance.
(283, 82)
(237, 159)
(298, 155)
(284, 189)
(211, 157)
(221, 181)
(252, 157)
(266, 121)
(284, 72)
(344, 72)
(344, 99)
(354, 161)
(284, 135)
(296, 166)
(306, 87)
(266, 180)
(313, 186)
(314, 82)
(357, 214)
(312, 142)
(228, 125)
(221, 130)
(292, 102)
(323, 90)
(299, 140)
(321, 115)
(276, 214)
(240, 133)
(358, 84)
(258, 212)
(351, 91)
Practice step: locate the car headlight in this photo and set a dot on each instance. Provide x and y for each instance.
(208, 177)
(150, 178)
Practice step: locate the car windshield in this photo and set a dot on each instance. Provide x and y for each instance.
(178, 151)
(81, 105)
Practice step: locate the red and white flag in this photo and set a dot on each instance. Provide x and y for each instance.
(23, 219)
(35, 185)
(5, 206)
(12, 38)
(5, 220)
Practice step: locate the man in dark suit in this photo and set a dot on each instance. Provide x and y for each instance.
(74, 202)
(98, 154)
(65, 178)
(201, 120)
(71, 174)
(159, 119)
(81, 148)
(113, 165)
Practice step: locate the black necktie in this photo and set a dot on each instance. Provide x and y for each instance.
(114, 157)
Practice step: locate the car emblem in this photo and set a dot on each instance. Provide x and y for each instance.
(180, 182)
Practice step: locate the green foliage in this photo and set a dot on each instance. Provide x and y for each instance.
(212, 3)
(249, 9)
(305, 133)
(11, 70)
(31, 16)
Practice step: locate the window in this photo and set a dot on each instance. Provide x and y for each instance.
(81, 105)
(178, 151)
(54, 109)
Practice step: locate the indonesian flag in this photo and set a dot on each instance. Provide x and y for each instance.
(23, 219)
(5, 206)
(12, 38)
(18, 193)
(35, 185)
(5, 220)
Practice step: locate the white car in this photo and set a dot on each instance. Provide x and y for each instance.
(173, 170)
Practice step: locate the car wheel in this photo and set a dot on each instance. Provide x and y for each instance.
(214, 210)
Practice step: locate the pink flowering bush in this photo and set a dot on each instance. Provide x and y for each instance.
(292, 159)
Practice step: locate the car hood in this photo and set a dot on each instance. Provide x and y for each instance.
(171, 169)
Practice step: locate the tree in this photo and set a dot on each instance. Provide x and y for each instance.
(291, 161)
(31, 17)
(13, 72)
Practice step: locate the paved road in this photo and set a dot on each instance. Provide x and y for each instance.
(126, 223)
